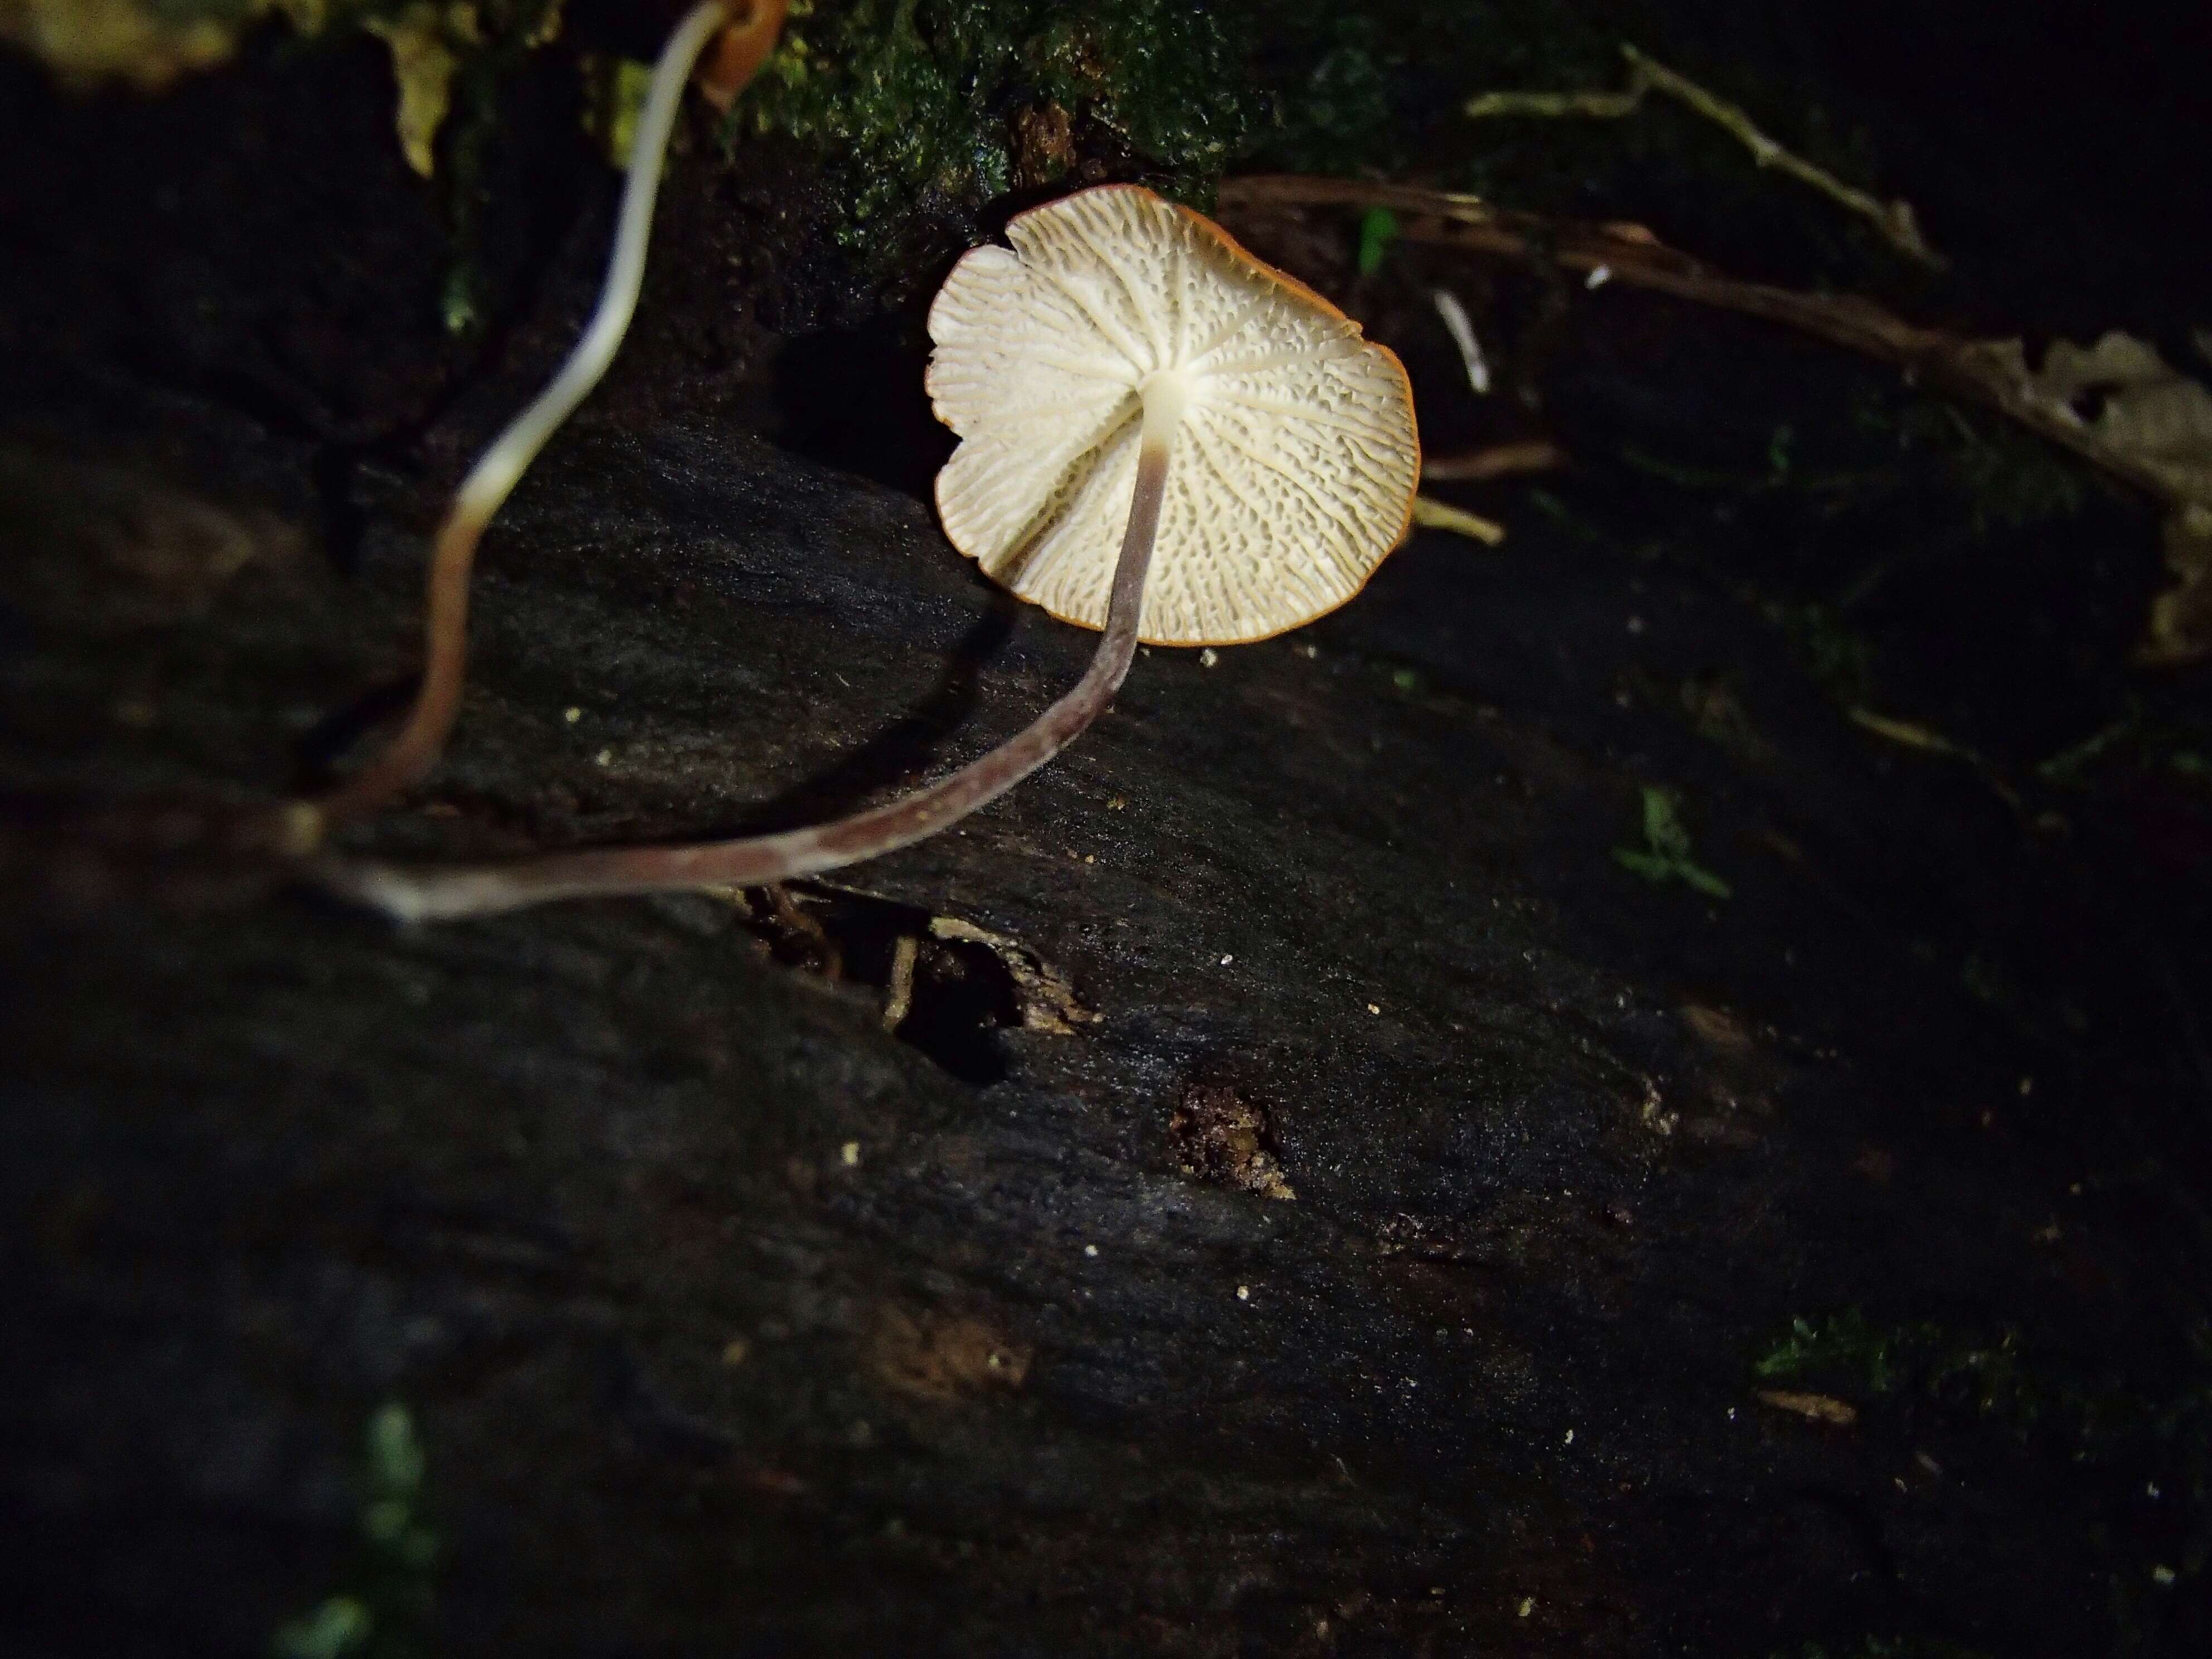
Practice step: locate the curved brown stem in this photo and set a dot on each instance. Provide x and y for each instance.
(442, 894)
(410, 755)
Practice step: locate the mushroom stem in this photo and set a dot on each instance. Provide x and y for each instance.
(416, 748)
(444, 894)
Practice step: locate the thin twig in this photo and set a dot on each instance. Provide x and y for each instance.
(1894, 220)
(1498, 461)
(1430, 513)
(1990, 373)
(1911, 735)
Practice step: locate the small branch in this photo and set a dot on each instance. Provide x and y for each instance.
(1931, 742)
(1894, 220)
(1430, 513)
(1550, 106)
(1990, 373)
(1498, 461)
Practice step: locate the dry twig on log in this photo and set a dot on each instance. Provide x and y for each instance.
(1894, 219)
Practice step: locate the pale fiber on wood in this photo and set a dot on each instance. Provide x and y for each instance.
(1291, 475)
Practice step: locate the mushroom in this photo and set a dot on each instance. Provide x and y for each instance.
(743, 34)
(1124, 339)
(1124, 375)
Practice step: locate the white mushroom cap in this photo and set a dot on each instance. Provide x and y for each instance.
(1291, 474)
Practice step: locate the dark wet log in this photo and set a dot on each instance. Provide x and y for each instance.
(1315, 1200)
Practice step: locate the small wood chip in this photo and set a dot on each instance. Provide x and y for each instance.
(899, 991)
(1820, 1407)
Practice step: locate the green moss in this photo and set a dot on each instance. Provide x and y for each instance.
(1983, 1373)
(1841, 1345)
(964, 100)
